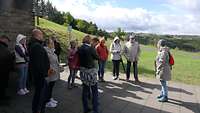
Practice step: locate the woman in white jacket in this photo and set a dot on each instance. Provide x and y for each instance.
(115, 50)
(21, 63)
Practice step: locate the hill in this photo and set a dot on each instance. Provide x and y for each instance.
(186, 68)
(51, 29)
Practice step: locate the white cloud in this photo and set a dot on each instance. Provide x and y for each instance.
(137, 19)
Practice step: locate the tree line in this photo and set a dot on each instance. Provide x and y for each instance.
(45, 9)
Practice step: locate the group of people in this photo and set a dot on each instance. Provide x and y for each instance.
(42, 62)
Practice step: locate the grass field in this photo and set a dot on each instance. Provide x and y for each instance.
(186, 68)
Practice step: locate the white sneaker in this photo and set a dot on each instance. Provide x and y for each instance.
(26, 90)
(51, 105)
(53, 101)
(21, 92)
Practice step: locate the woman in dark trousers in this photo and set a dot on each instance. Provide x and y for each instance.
(115, 50)
(54, 65)
(88, 73)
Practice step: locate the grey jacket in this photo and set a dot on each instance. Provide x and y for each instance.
(54, 64)
(131, 51)
(163, 70)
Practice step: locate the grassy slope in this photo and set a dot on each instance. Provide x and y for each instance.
(52, 29)
(186, 68)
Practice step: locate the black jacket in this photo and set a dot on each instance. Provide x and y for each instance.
(7, 59)
(39, 61)
(87, 55)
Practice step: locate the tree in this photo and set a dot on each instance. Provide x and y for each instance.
(120, 33)
(82, 25)
(92, 29)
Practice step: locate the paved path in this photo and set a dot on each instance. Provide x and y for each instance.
(117, 97)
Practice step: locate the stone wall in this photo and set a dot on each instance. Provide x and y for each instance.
(14, 21)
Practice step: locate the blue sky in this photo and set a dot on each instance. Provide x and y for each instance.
(152, 16)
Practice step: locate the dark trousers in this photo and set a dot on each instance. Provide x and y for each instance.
(102, 64)
(40, 96)
(135, 70)
(85, 94)
(116, 67)
(50, 90)
(3, 84)
(72, 76)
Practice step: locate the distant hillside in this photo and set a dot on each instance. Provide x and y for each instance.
(52, 29)
(183, 42)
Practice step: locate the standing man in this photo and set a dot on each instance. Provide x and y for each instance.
(39, 66)
(88, 73)
(131, 52)
(58, 48)
(6, 65)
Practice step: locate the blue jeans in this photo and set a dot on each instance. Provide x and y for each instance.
(102, 64)
(86, 93)
(164, 89)
(23, 73)
(135, 69)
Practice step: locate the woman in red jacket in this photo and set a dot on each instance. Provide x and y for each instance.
(102, 51)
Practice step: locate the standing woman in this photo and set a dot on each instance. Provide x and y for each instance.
(54, 65)
(21, 63)
(73, 63)
(102, 52)
(163, 70)
(115, 50)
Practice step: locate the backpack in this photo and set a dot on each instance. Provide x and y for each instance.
(171, 59)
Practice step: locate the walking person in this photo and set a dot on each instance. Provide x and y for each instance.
(7, 60)
(115, 50)
(88, 74)
(73, 63)
(102, 52)
(22, 63)
(131, 52)
(40, 70)
(163, 69)
(54, 65)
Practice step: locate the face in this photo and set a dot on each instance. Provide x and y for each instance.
(73, 45)
(51, 44)
(23, 41)
(132, 40)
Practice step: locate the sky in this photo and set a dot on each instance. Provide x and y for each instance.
(180, 17)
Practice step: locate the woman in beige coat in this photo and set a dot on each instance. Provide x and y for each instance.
(54, 65)
(163, 70)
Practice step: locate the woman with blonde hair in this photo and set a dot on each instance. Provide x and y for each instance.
(163, 70)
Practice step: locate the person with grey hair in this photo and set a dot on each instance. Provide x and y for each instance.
(131, 52)
(163, 70)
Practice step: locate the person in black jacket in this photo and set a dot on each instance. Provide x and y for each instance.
(39, 68)
(88, 74)
(6, 65)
